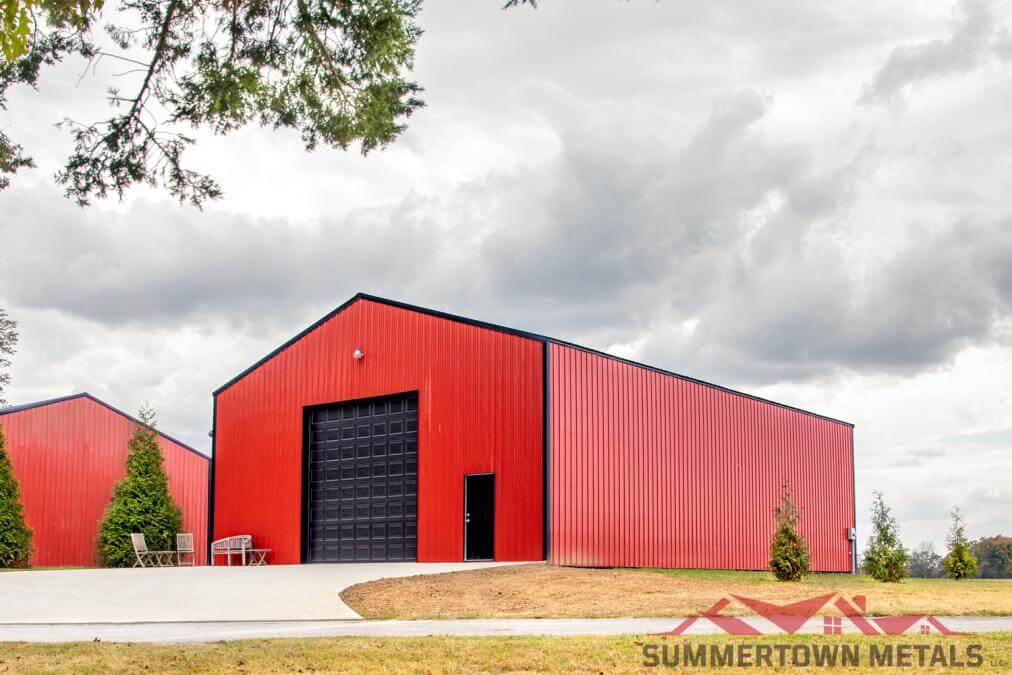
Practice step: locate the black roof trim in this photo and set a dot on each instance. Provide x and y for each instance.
(39, 404)
(519, 333)
(84, 394)
(329, 315)
(385, 301)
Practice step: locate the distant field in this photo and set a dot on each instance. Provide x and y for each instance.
(452, 655)
(541, 590)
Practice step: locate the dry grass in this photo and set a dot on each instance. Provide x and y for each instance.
(550, 591)
(436, 654)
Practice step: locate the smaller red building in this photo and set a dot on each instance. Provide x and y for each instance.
(68, 453)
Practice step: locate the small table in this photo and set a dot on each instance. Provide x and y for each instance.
(257, 556)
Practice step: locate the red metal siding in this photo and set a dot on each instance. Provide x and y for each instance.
(479, 400)
(652, 470)
(68, 456)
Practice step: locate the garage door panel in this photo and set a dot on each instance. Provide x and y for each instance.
(363, 480)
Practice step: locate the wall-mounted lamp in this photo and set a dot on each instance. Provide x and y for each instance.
(358, 354)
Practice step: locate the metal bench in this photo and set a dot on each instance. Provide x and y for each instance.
(242, 546)
(239, 544)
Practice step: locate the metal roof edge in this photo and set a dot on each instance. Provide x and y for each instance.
(696, 380)
(384, 301)
(39, 404)
(84, 394)
(288, 343)
(511, 331)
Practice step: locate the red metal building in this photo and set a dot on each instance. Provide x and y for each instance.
(68, 453)
(386, 431)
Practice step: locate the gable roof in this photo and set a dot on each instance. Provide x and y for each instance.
(544, 339)
(84, 394)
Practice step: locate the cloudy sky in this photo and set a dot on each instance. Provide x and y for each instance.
(808, 200)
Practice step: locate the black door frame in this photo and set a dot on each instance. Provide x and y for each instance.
(307, 411)
(464, 522)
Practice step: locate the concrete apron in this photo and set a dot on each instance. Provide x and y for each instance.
(216, 631)
(188, 594)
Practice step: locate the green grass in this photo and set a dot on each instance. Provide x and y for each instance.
(439, 654)
(41, 569)
(832, 580)
(819, 579)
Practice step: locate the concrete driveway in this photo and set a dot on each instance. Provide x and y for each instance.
(194, 594)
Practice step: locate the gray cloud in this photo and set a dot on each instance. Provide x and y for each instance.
(993, 493)
(151, 265)
(623, 236)
(907, 461)
(622, 226)
(997, 438)
(592, 245)
(976, 38)
(805, 313)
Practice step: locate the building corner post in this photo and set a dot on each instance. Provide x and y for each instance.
(210, 479)
(853, 505)
(546, 454)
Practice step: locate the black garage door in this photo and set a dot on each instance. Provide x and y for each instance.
(362, 488)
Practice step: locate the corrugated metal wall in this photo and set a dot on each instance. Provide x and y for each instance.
(68, 456)
(652, 470)
(479, 397)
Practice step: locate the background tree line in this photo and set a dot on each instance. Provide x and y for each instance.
(993, 554)
(886, 559)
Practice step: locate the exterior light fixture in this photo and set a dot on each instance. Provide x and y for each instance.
(358, 354)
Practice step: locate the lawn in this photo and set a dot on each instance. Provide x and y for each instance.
(39, 569)
(438, 654)
(550, 591)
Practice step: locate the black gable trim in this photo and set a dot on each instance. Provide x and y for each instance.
(61, 399)
(511, 331)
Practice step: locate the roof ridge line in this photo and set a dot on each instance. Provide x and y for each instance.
(512, 331)
(70, 397)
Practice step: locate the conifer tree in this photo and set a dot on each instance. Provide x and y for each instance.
(885, 559)
(140, 502)
(15, 535)
(960, 562)
(789, 557)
